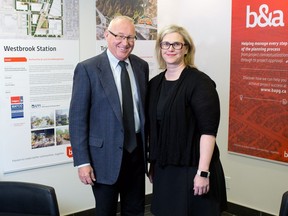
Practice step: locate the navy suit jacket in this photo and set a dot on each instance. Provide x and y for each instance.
(95, 116)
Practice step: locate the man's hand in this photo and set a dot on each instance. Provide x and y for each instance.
(86, 175)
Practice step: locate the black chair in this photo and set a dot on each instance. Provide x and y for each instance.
(284, 205)
(23, 198)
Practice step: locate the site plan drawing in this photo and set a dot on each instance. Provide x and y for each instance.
(27, 19)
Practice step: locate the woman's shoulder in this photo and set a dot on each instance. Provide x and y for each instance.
(198, 75)
(157, 77)
(195, 72)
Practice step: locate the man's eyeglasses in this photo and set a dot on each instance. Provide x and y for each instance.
(122, 37)
(176, 45)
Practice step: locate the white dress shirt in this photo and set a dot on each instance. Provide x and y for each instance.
(116, 70)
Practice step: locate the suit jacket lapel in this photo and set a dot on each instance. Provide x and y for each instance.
(109, 86)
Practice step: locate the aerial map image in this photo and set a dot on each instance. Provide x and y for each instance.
(144, 13)
(27, 19)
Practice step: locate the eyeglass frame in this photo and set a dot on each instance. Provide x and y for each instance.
(122, 37)
(172, 44)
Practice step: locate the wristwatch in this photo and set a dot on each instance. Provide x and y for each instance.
(204, 174)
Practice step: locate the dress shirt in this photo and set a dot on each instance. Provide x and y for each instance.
(116, 70)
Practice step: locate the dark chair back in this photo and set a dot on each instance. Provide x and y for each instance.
(20, 198)
(284, 205)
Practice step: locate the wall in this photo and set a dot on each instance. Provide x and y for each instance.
(253, 183)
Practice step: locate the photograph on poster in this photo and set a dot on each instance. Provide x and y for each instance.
(42, 138)
(42, 119)
(62, 117)
(62, 135)
(144, 13)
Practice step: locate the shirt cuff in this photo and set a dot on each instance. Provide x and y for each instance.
(82, 165)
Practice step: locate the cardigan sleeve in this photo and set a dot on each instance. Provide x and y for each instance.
(205, 105)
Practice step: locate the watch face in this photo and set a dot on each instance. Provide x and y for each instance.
(204, 174)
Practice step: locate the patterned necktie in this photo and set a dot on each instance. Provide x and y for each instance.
(127, 107)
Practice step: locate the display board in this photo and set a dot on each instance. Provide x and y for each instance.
(258, 117)
(40, 48)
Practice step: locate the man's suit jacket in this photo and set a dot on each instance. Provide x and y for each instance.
(95, 116)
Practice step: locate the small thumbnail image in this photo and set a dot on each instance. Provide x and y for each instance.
(42, 138)
(42, 119)
(62, 135)
(62, 117)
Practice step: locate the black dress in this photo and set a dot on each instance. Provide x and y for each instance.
(173, 193)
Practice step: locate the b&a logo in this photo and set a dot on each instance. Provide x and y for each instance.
(69, 152)
(264, 18)
(285, 154)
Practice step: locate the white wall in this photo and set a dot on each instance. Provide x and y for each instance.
(253, 183)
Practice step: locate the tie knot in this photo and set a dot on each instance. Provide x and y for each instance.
(122, 64)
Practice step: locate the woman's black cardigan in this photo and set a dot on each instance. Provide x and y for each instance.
(192, 110)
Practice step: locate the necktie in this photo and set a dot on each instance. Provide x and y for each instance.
(127, 107)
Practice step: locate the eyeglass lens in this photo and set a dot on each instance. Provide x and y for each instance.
(122, 37)
(175, 45)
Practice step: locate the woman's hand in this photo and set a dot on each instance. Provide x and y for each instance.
(201, 185)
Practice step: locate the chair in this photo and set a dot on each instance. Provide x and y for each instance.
(23, 198)
(284, 205)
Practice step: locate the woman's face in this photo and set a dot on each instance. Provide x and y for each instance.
(173, 49)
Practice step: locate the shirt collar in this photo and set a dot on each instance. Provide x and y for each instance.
(114, 61)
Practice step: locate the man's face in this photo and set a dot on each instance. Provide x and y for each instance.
(121, 47)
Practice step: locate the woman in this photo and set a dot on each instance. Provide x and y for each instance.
(183, 119)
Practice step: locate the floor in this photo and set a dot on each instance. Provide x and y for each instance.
(148, 213)
(233, 210)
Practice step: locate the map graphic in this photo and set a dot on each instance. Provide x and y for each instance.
(56, 19)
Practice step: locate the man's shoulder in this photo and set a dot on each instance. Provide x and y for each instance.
(95, 59)
(133, 57)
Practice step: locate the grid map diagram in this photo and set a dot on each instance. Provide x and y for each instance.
(39, 19)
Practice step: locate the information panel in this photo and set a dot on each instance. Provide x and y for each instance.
(258, 118)
(39, 42)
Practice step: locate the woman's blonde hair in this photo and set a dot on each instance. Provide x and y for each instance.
(189, 57)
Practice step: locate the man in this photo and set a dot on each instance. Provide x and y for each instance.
(97, 123)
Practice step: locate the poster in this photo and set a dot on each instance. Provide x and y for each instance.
(258, 118)
(39, 42)
(144, 14)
